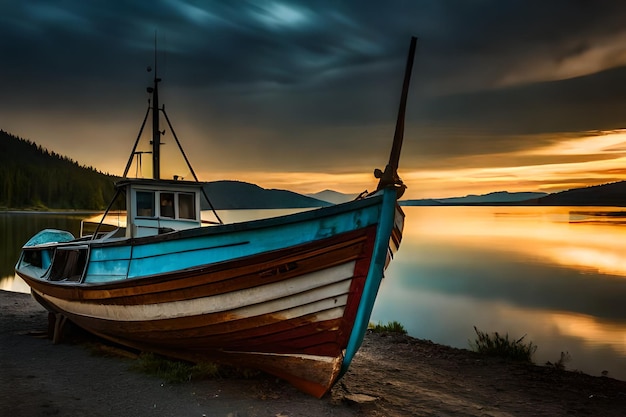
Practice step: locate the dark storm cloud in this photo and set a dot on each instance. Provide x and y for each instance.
(505, 67)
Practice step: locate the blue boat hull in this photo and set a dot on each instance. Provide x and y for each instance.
(290, 295)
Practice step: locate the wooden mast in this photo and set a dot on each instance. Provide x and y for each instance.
(156, 132)
(390, 176)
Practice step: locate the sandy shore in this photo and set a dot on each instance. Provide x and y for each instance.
(390, 376)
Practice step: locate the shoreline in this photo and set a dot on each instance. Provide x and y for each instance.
(391, 375)
(56, 211)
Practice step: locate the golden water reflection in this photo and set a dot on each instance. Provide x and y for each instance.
(556, 274)
(556, 234)
(13, 283)
(591, 329)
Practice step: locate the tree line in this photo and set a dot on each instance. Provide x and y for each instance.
(32, 177)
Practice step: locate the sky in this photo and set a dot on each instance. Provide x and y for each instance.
(525, 95)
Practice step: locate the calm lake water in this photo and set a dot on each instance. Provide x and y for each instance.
(554, 274)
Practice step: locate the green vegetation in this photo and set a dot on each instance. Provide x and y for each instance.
(32, 177)
(390, 327)
(496, 345)
(174, 371)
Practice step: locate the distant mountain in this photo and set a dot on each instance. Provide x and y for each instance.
(612, 194)
(333, 196)
(226, 195)
(32, 177)
(498, 197)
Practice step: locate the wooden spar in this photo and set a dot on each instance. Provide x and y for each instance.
(156, 133)
(390, 176)
(394, 157)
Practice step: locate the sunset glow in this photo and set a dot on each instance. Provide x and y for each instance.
(305, 99)
(603, 160)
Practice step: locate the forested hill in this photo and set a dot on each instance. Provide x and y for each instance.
(34, 177)
(228, 195)
(612, 195)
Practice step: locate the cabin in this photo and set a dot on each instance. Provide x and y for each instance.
(156, 207)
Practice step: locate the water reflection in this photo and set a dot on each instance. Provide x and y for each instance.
(13, 283)
(237, 216)
(591, 330)
(16, 229)
(521, 270)
(501, 274)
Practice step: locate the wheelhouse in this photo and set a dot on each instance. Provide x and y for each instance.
(156, 207)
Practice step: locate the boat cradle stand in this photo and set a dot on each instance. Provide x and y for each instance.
(56, 324)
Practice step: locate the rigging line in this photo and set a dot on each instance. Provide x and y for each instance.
(182, 151)
(95, 233)
(132, 153)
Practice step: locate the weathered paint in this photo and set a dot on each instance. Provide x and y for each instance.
(109, 263)
(390, 211)
(289, 295)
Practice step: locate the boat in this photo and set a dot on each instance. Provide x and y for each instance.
(290, 295)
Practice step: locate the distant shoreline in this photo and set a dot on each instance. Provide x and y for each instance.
(68, 211)
(504, 204)
(605, 195)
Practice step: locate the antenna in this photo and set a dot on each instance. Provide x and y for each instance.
(155, 53)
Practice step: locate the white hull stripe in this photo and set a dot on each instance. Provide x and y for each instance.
(306, 294)
(316, 358)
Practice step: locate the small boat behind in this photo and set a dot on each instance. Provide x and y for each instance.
(289, 295)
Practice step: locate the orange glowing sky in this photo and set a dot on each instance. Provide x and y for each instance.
(289, 95)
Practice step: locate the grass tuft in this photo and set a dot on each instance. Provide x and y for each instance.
(495, 344)
(390, 327)
(560, 364)
(173, 371)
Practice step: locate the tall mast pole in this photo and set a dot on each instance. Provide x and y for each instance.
(156, 133)
(390, 176)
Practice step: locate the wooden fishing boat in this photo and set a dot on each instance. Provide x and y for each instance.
(289, 295)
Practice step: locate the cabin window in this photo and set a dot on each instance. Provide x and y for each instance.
(187, 206)
(167, 205)
(145, 203)
(175, 205)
